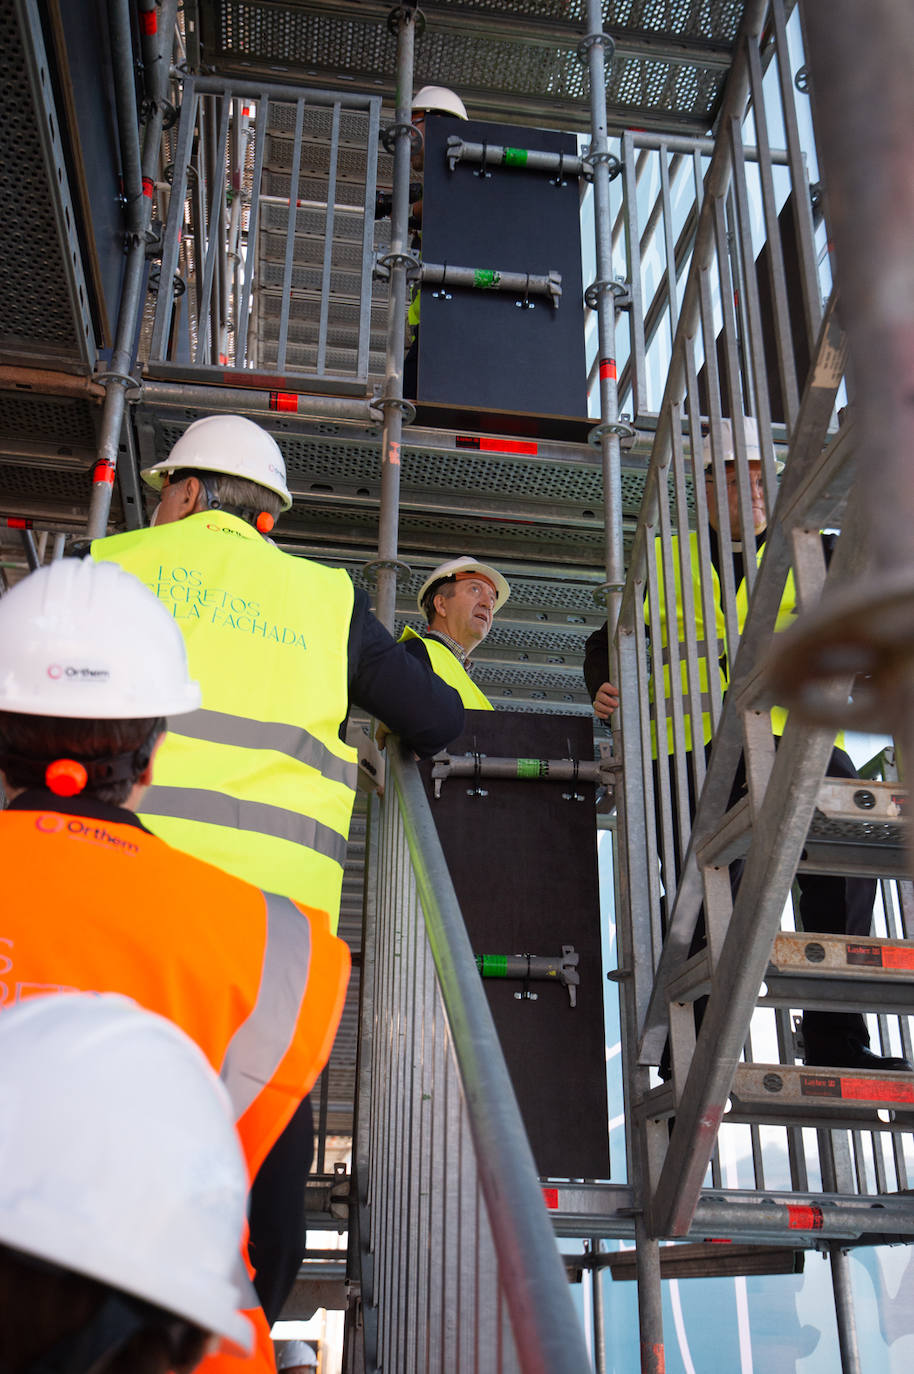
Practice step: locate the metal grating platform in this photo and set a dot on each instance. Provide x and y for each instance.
(509, 58)
(44, 313)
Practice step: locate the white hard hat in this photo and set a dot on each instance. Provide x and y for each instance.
(119, 1159)
(297, 1355)
(88, 641)
(229, 444)
(752, 443)
(441, 99)
(466, 565)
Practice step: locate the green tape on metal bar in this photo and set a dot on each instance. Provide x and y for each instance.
(492, 965)
(485, 278)
(515, 157)
(532, 768)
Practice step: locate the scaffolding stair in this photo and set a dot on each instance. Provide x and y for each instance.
(835, 1099)
(817, 971)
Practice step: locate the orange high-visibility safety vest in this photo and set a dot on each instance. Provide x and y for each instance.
(256, 980)
(262, 1359)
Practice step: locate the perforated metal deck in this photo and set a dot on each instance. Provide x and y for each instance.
(510, 59)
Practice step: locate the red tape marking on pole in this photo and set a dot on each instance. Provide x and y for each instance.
(805, 1218)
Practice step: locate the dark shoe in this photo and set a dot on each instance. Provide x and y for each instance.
(850, 1054)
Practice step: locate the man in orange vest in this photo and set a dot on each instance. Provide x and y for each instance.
(90, 664)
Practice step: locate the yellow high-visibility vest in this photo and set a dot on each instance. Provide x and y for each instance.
(447, 666)
(660, 647)
(786, 616)
(258, 781)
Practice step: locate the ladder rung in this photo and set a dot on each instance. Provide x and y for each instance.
(820, 971)
(827, 955)
(822, 1097)
(858, 826)
(877, 806)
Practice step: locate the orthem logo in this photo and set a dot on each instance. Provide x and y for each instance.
(49, 823)
(56, 671)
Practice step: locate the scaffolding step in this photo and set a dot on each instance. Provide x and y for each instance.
(858, 827)
(818, 971)
(822, 1097)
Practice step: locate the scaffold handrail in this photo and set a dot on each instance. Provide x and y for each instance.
(545, 1326)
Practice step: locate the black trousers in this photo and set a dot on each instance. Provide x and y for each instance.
(827, 906)
(276, 1212)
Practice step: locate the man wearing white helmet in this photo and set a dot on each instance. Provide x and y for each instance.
(295, 1357)
(459, 600)
(90, 664)
(827, 904)
(428, 100)
(260, 781)
(122, 1194)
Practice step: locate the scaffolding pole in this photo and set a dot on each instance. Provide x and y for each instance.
(403, 22)
(139, 179)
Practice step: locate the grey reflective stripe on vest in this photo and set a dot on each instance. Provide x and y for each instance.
(258, 1046)
(217, 727)
(215, 808)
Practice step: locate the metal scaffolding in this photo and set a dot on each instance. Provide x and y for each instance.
(713, 299)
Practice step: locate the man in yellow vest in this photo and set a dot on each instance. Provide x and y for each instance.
(459, 600)
(90, 664)
(260, 781)
(827, 904)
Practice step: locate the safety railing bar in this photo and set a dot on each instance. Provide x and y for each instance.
(695, 755)
(371, 176)
(546, 1328)
(718, 466)
(715, 183)
(262, 105)
(663, 707)
(733, 372)
(702, 529)
(752, 305)
(328, 241)
(217, 85)
(777, 271)
(215, 239)
(633, 262)
(174, 219)
(669, 249)
(290, 238)
(658, 308)
(802, 209)
(796, 1154)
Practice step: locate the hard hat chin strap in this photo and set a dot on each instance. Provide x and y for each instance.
(98, 771)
